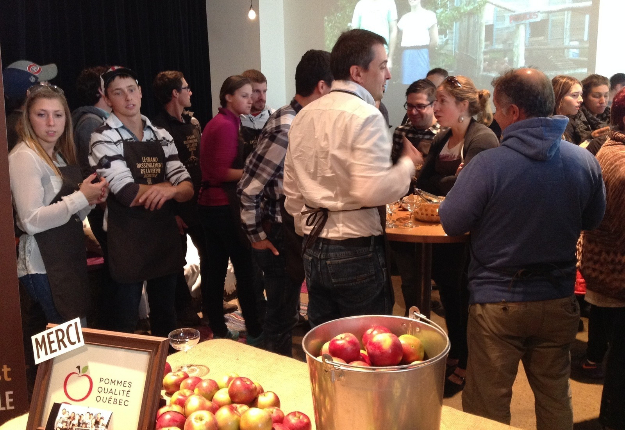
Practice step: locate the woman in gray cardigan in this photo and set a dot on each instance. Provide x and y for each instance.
(457, 103)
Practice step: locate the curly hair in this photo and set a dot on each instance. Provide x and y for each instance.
(88, 85)
(164, 83)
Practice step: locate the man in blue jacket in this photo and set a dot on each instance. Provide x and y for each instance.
(525, 204)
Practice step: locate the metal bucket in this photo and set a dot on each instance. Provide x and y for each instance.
(395, 397)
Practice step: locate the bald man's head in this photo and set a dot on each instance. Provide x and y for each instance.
(529, 89)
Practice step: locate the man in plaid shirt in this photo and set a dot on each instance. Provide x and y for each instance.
(271, 230)
(421, 130)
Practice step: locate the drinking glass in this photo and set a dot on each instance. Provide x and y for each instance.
(390, 210)
(410, 203)
(183, 339)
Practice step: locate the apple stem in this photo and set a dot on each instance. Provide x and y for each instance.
(78, 367)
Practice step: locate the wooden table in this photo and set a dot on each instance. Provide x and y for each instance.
(424, 234)
(287, 377)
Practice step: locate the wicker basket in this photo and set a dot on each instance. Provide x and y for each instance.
(427, 212)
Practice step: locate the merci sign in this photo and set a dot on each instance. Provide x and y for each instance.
(58, 340)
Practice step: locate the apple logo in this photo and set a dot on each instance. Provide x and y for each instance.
(79, 374)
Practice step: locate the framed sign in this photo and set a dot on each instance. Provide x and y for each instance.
(116, 372)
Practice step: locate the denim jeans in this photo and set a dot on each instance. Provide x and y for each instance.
(282, 294)
(38, 289)
(346, 281)
(161, 298)
(223, 236)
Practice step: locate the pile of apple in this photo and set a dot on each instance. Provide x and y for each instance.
(230, 403)
(380, 347)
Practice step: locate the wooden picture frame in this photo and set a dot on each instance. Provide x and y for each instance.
(108, 352)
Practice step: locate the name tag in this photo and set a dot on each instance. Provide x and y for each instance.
(58, 340)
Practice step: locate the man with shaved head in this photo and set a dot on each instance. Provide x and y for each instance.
(525, 204)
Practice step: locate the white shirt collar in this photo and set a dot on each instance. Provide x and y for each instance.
(355, 88)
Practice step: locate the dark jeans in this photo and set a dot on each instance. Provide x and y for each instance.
(223, 241)
(282, 293)
(161, 295)
(345, 280)
(598, 330)
(405, 256)
(38, 289)
(612, 412)
(449, 268)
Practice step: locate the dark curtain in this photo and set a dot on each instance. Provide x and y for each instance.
(147, 36)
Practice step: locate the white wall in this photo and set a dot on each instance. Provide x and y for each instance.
(610, 58)
(272, 51)
(234, 41)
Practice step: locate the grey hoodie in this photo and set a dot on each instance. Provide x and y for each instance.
(85, 120)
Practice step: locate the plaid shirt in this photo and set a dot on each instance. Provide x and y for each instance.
(421, 139)
(260, 187)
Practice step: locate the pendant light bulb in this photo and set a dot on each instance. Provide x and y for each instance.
(252, 13)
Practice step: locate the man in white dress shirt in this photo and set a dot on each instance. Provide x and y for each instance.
(337, 171)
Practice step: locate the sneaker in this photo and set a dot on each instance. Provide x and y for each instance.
(591, 370)
(230, 334)
(257, 342)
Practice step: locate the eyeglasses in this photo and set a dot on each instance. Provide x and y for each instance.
(452, 80)
(41, 85)
(188, 88)
(419, 107)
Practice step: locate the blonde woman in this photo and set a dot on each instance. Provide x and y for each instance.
(51, 199)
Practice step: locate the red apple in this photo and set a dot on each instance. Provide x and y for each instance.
(412, 349)
(241, 408)
(206, 388)
(198, 403)
(259, 387)
(167, 408)
(266, 400)
(372, 331)
(277, 416)
(360, 363)
(228, 418)
(365, 357)
(170, 419)
(167, 368)
(179, 397)
(345, 346)
(190, 383)
(256, 419)
(384, 349)
(279, 426)
(242, 390)
(297, 421)
(225, 380)
(201, 420)
(221, 397)
(172, 381)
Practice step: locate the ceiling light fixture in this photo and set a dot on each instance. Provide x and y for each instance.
(252, 13)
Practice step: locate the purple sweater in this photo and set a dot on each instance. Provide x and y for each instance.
(217, 152)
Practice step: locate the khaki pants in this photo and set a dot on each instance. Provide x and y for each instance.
(539, 334)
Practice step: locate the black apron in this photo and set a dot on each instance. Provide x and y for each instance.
(64, 255)
(143, 244)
